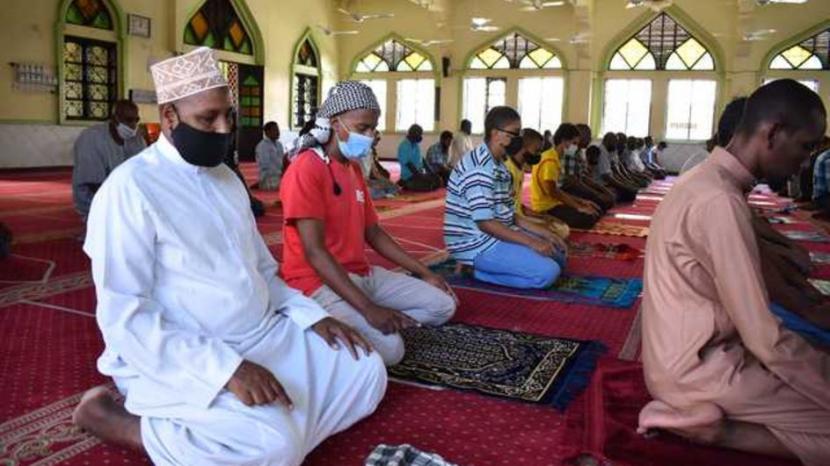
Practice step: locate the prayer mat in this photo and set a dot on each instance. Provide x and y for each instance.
(813, 236)
(17, 269)
(819, 257)
(621, 252)
(798, 324)
(628, 216)
(503, 363)
(780, 220)
(822, 285)
(403, 455)
(617, 229)
(597, 291)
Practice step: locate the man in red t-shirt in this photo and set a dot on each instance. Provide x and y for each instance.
(329, 216)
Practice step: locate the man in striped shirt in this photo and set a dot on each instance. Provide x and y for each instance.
(481, 228)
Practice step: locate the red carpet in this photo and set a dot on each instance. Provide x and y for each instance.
(49, 344)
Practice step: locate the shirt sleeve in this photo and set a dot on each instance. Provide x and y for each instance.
(121, 243)
(90, 163)
(302, 190)
(371, 215)
(549, 170)
(477, 190)
(730, 253)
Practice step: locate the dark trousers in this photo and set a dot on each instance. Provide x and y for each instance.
(573, 217)
(421, 182)
(582, 191)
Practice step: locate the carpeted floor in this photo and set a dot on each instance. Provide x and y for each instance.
(49, 342)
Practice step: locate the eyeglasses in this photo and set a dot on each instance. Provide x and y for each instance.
(512, 133)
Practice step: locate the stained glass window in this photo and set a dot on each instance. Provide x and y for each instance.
(393, 55)
(305, 84)
(92, 13)
(306, 55)
(250, 103)
(217, 25)
(662, 45)
(90, 78)
(812, 53)
(515, 51)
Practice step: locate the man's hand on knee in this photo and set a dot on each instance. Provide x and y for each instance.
(255, 385)
(332, 330)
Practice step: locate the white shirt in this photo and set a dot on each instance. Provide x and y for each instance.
(184, 280)
(269, 155)
(461, 144)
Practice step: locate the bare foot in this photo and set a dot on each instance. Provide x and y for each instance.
(701, 423)
(99, 414)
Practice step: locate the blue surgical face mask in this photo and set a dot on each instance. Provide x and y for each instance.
(356, 146)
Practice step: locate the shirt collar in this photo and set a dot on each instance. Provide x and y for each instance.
(169, 151)
(733, 166)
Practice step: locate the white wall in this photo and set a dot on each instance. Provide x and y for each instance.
(36, 145)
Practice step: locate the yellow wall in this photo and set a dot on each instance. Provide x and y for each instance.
(30, 25)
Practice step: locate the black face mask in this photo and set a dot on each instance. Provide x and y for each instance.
(533, 159)
(516, 144)
(200, 148)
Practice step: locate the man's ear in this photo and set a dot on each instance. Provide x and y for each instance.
(169, 116)
(770, 132)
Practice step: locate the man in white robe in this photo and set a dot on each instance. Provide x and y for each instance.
(219, 361)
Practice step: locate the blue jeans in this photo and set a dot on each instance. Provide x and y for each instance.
(516, 266)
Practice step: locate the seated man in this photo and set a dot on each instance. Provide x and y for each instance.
(624, 167)
(414, 176)
(462, 142)
(480, 223)
(575, 180)
(329, 219)
(605, 171)
(720, 366)
(517, 164)
(377, 178)
(649, 156)
(101, 148)
(438, 156)
(545, 193)
(269, 157)
(821, 180)
(220, 362)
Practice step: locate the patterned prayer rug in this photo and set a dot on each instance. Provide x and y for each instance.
(813, 236)
(777, 220)
(515, 365)
(822, 285)
(622, 252)
(597, 291)
(617, 229)
(819, 257)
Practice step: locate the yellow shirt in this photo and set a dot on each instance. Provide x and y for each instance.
(548, 169)
(518, 176)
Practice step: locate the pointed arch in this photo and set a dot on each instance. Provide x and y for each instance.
(526, 43)
(805, 51)
(696, 43)
(92, 26)
(396, 50)
(305, 92)
(225, 25)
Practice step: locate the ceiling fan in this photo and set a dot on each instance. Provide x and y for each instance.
(482, 25)
(780, 2)
(358, 18)
(656, 5)
(539, 5)
(329, 32)
(430, 42)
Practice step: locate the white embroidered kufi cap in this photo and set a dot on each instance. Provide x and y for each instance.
(186, 75)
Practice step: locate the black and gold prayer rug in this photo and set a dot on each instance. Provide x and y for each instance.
(515, 365)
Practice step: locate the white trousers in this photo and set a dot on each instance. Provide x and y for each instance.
(329, 389)
(415, 298)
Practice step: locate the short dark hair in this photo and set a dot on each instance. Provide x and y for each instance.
(584, 129)
(662, 145)
(592, 154)
(499, 117)
(446, 135)
(565, 132)
(466, 125)
(270, 125)
(784, 101)
(648, 140)
(609, 138)
(729, 120)
(530, 134)
(415, 129)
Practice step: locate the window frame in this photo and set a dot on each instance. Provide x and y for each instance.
(112, 80)
(627, 76)
(714, 110)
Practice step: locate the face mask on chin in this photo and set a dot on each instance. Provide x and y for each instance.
(200, 148)
(125, 132)
(571, 150)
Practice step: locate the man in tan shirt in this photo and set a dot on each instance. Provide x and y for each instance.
(720, 366)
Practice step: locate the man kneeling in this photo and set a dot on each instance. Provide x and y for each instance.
(220, 362)
(721, 367)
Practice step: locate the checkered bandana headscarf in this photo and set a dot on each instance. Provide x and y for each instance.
(343, 97)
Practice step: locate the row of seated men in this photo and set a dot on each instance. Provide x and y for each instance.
(225, 358)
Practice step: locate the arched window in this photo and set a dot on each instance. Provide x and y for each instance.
(306, 83)
(90, 65)
(812, 53)
(661, 45)
(393, 55)
(508, 71)
(515, 51)
(217, 25)
(412, 92)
